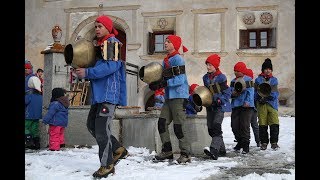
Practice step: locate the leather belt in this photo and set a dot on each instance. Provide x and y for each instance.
(218, 87)
(173, 71)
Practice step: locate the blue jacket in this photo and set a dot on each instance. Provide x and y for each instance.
(159, 101)
(273, 98)
(57, 115)
(33, 104)
(224, 97)
(108, 81)
(247, 95)
(178, 85)
(26, 79)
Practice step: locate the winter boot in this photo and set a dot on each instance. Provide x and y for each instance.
(222, 153)
(238, 146)
(120, 153)
(184, 158)
(36, 142)
(104, 171)
(62, 145)
(164, 155)
(258, 144)
(263, 146)
(274, 146)
(28, 141)
(213, 153)
(245, 147)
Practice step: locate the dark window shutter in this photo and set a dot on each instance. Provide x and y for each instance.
(151, 43)
(272, 37)
(244, 39)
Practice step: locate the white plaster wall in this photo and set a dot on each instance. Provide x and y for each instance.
(41, 16)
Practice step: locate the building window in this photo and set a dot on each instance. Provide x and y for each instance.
(156, 41)
(257, 38)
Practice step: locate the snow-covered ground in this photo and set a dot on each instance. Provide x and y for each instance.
(80, 163)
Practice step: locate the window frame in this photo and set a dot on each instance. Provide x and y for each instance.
(152, 40)
(244, 38)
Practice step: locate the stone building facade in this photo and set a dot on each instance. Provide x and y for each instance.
(245, 30)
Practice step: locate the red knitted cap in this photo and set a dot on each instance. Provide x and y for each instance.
(214, 59)
(240, 67)
(107, 22)
(176, 41)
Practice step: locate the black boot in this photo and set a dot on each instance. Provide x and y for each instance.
(245, 146)
(28, 141)
(238, 146)
(36, 141)
(213, 153)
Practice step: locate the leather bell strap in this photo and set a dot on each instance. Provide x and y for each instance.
(218, 87)
(173, 71)
(111, 50)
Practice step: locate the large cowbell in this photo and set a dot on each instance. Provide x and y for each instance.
(240, 85)
(152, 72)
(81, 54)
(264, 89)
(202, 96)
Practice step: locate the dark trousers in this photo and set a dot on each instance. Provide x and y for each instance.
(214, 121)
(99, 124)
(240, 125)
(255, 126)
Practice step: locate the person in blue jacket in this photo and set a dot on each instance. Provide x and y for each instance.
(191, 107)
(176, 91)
(57, 118)
(242, 104)
(28, 72)
(216, 82)
(108, 86)
(268, 107)
(33, 113)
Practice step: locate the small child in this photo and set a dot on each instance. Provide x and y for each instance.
(191, 108)
(33, 112)
(267, 107)
(159, 98)
(57, 118)
(242, 104)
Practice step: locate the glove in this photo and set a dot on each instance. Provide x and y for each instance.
(234, 94)
(154, 86)
(198, 108)
(157, 85)
(269, 98)
(217, 102)
(262, 101)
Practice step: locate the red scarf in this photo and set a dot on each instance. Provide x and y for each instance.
(101, 40)
(266, 76)
(166, 59)
(212, 75)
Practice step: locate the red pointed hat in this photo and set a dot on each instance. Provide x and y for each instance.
(192, 88)
(214, 59)
(107, 22)
(27, 66)
(249, 73)
(240, 67)
(176, 41)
